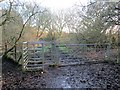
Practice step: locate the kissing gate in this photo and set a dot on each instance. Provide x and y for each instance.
(37, 55)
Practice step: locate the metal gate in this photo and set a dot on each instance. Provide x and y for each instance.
(37, 55)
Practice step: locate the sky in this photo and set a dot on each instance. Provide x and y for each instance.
(59, 4)
(55, 5)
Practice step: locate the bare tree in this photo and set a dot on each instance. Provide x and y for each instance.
(6, 15)
(27, 12)
(42, 23)
(60, 22)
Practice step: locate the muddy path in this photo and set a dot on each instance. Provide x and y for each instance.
(101, 75)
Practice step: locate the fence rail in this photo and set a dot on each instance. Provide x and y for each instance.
(38, 54)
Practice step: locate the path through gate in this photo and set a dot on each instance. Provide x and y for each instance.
(37, 55)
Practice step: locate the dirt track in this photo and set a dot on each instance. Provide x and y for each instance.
(101, 75)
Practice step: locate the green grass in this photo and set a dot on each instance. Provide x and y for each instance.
(64, 49)
(61, 48)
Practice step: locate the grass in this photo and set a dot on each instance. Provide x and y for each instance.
(64, 49)
(61, 48)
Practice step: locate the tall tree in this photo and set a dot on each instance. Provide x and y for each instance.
(27, 12)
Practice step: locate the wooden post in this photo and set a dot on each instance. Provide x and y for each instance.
(15, 53)
(23, 56)
(43, 56)
(53, 52)
(6, 47)
(27, 50)
(34, 50)
(24, 49)
(107, 56)
(57, 55)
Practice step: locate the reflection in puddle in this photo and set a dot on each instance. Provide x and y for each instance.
(60, 82)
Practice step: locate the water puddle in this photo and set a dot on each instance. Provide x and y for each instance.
(60, 82)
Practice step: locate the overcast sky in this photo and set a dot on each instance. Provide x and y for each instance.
(59, 4)
(55, 5)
